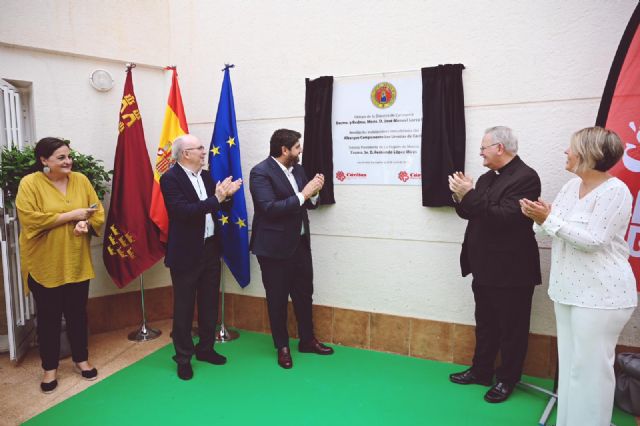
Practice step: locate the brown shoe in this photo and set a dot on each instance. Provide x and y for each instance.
(284, 357)
(313, 346)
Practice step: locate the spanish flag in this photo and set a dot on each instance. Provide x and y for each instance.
(175, 124)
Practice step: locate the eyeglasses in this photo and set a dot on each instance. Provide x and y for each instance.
(482, 148)
(199, 148)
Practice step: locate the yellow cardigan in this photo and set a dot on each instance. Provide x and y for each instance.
(54, 256)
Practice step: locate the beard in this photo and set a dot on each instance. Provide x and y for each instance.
(292, 160)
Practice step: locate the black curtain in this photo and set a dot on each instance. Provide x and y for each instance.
(317, 154)
(443, 131)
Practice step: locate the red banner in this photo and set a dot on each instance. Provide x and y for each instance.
(620, 112)
(131, 240)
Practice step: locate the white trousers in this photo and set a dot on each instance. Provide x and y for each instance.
(587, 339)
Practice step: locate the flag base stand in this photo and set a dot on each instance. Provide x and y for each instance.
(224, 334)
(144, 334)
(553, 398)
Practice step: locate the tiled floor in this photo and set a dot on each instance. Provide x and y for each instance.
(20, 396)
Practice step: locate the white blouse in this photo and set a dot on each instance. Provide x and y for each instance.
(589, 255)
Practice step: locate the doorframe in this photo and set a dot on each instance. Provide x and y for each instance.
(15, 130)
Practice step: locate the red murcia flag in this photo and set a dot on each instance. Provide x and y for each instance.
(620, 112)
(131, 240)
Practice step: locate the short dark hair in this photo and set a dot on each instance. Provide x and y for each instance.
(283, 137)
(45, 148)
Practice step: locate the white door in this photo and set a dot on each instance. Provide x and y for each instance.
(19, 306)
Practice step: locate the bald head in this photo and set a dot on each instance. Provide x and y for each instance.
(178, 145)
(189, 152)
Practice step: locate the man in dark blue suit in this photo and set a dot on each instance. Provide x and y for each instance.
(193, 250)
(280, 238)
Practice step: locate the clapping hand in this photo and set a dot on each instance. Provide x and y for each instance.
(227, 188)
(313, 187)
(460, 184)
(234, 186)
(319, 178)
(536, 210)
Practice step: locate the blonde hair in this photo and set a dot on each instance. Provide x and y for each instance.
(597, 148)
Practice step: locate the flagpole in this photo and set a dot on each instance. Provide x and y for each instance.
(144, 333)
(224, 335)
(224, 161)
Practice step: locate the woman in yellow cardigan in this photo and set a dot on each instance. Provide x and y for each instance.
(58, 211)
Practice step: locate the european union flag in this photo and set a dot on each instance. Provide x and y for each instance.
(224, 160)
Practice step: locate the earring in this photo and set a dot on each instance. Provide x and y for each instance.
(46, 170)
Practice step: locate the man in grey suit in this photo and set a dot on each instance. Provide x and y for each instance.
(280, 238)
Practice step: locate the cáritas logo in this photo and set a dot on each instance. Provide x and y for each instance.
(405, 176)
(342, 176)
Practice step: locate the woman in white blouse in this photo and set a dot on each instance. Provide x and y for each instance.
(591, 283)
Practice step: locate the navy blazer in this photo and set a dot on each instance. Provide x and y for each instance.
(500, 247)
(278, 215)
(186, 216)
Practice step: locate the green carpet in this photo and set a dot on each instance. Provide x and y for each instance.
(351, 387)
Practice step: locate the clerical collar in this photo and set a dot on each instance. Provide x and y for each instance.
(506, 166)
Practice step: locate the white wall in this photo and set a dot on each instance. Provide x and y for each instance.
(55, 45)
(537, 66)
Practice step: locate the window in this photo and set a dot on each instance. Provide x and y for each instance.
(15, 116)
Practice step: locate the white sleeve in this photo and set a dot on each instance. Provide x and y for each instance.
(541, 229)
(611, 212)
(538, 229)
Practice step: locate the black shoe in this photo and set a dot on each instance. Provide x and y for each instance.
(313, 346)
(48, 387)
(185, 372)
(468, 377)
(212, 357)
(87, 374)
(499, 392)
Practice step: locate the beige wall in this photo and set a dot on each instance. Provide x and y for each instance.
(537, 66)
